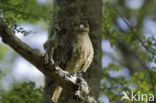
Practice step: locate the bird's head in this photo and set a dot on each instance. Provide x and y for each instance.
(83, 26)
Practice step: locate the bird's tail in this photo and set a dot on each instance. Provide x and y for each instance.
(56, 94)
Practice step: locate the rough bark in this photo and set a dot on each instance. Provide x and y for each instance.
(67, 13)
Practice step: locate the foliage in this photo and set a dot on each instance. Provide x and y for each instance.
(22, 93)
(18, 11)
(112, 87)
(131, 37)
(27, 10)
(15, 12)
(138, 45)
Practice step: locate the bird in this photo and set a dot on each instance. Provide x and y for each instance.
(81, 54)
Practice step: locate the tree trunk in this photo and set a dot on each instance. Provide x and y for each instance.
(67, 13)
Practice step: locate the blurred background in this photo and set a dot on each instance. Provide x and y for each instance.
(128, 49)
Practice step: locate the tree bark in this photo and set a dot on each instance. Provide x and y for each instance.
(67, 13)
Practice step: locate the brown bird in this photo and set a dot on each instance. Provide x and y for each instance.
(81, 54)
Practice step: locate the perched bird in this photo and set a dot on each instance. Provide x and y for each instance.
(81, 53)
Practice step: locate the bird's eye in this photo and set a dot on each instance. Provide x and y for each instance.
(81, 26)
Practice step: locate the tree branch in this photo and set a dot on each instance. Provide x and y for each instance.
(72, 83)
